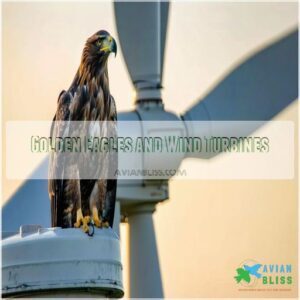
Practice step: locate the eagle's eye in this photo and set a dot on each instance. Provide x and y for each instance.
(100, 40)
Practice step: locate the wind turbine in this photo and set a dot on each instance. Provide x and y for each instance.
(258, 89)
(142, 28)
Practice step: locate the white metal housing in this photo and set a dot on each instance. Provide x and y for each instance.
(61, 262)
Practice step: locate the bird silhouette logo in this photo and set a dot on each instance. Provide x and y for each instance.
(253, 270)
(245, 272)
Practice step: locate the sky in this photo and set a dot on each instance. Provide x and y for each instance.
(208, 226)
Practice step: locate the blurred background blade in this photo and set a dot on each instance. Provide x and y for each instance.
(29, 205)
(257, 89)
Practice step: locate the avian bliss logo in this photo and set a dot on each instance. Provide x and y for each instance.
(250, 272)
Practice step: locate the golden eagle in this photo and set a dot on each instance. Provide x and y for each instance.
(76, 201)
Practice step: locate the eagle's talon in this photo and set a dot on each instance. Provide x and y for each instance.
(97, 223)
(85, 224)
(87, 219)
(77, 224)
(96, 219)
(79, 218)
(85, 228)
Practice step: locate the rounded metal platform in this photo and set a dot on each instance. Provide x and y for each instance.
(55, 262)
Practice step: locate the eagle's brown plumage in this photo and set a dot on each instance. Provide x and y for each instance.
(87, 99)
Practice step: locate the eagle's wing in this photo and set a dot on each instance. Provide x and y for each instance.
(56, 167)
(111, 185)
(67, 195)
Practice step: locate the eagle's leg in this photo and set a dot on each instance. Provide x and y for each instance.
(96, 219)
(79, 218)
(82, 220)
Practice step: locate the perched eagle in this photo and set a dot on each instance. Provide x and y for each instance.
(75, 201)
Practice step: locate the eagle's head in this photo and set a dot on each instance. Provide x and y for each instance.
(96, 52)
(101, 44)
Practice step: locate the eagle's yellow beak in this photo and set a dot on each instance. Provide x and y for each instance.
(109, 45)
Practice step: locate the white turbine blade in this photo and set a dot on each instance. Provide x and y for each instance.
(142, 31)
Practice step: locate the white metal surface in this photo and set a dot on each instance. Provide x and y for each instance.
(55, 261)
